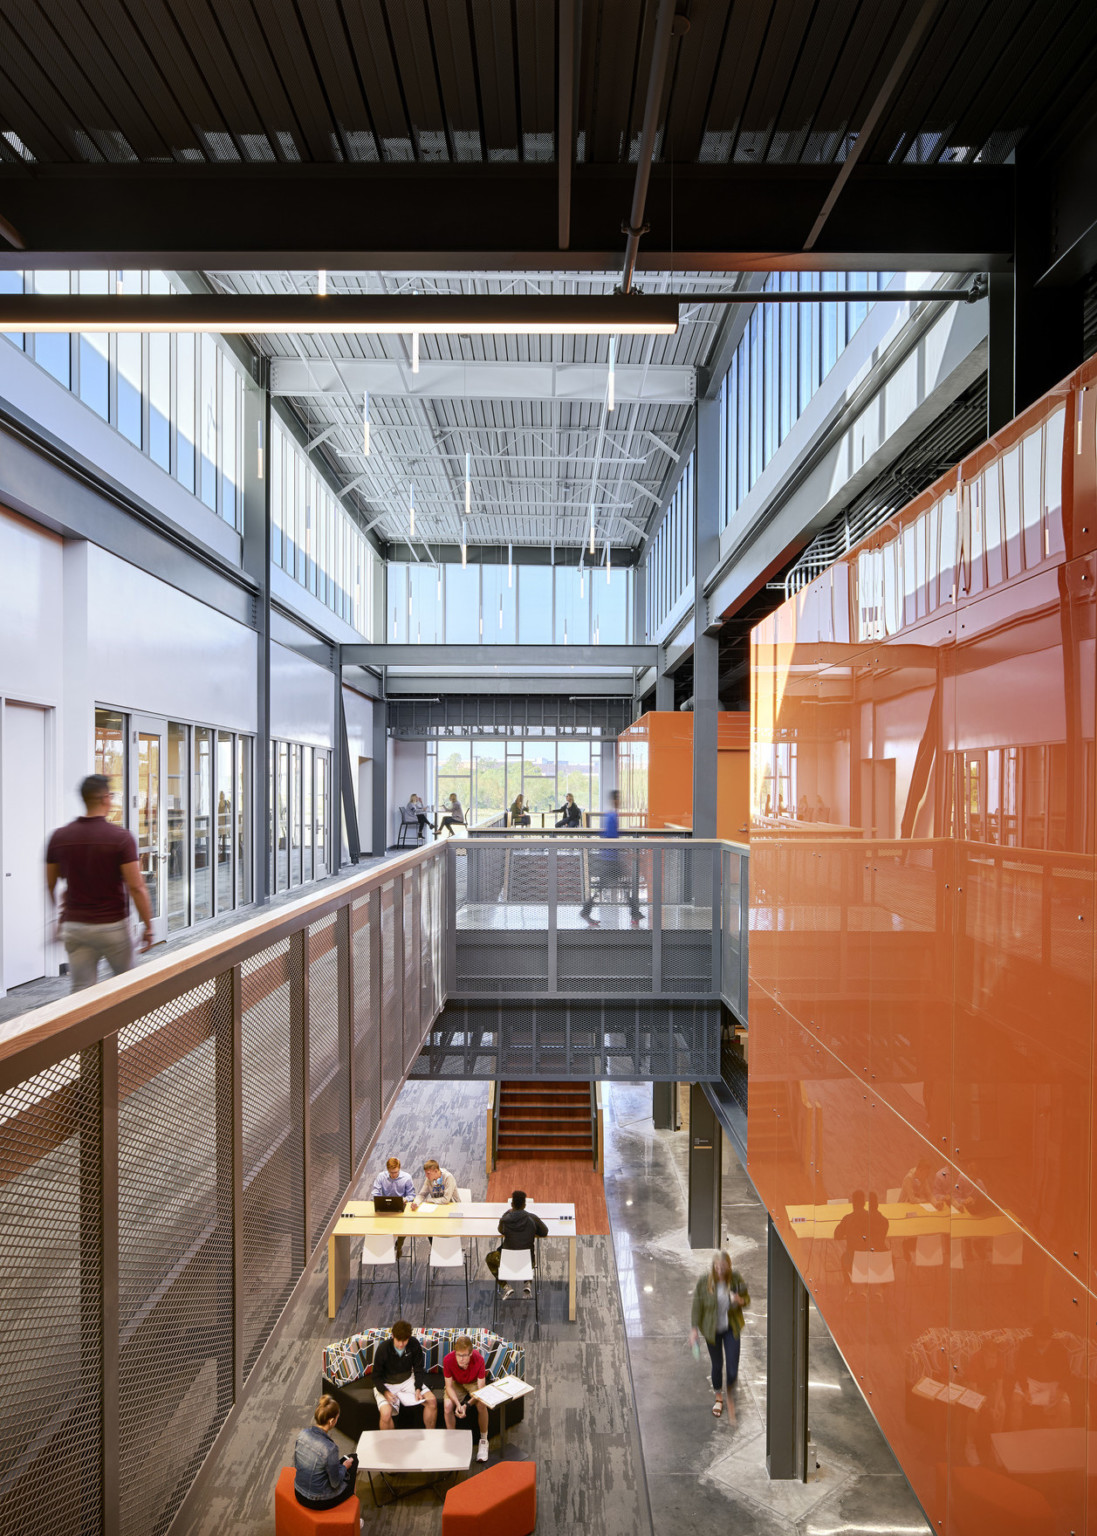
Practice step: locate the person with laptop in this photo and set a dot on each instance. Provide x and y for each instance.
(520, 1229)
(392, 1185)
(400, 1377)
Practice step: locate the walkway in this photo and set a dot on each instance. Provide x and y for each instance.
(705, 1475)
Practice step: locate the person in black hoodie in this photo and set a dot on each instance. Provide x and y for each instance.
(400, 1377)
(570, 814)
(520, 1229)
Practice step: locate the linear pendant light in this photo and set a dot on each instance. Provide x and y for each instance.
(236, 314)
(322, 283)
(592, 527)
(611, 399)
(365, 424)
(411, 509)
(415, 351)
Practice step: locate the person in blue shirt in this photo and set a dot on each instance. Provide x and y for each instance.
(323, 1479)
(394, 1181)
(612, 868)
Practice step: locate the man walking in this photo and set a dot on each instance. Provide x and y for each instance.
(614, 869)
(97, 860)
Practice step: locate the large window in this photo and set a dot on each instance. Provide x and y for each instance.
(501, 605)
(313, 537)
(488, 773)
(174, 397)
(670, 558)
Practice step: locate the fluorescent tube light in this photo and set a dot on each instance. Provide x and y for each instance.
(510, 568)
(243, 314)
(415, 351)
(365, 424)
(411, 509)
(610, 395)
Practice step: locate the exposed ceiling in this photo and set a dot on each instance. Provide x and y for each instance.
(537, 464)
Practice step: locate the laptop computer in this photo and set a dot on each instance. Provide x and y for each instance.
(388, 1205)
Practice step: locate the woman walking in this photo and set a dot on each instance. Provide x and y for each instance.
(718, 1301)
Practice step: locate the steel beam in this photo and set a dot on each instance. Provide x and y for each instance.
(303, 378)
(706, 647)
(488, 657)
(701, 217)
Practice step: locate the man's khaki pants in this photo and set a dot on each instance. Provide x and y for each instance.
(88, 943)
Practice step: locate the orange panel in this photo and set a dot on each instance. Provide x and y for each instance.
(923, 954)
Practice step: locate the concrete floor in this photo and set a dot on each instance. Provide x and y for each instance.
(705, 1474)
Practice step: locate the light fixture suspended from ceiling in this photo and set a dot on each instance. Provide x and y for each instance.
(322, 283)
(611, 398)
(365, 424)
(411, 508)
(592, 527)
(415, 351)
(257, 314)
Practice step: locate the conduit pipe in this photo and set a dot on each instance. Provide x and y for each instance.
(660, 53)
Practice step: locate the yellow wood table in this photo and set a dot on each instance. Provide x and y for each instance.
(467, 1220)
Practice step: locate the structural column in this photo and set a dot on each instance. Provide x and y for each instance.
(380, 776)
(256, 559)
(706, 647)
(705, 1150)
(1047, 320)
(664, 686)
(664, 1106)
(786, 1365)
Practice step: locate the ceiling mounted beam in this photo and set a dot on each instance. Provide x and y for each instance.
(485, 658)
(579, 382)
(501, 217)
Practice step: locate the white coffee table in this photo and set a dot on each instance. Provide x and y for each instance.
(413, 1451)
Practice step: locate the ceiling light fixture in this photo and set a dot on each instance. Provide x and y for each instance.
(365, 424)
(322, 283)
(510, 566)
(468, 483)
(609, 562)
(592, 527)
(611, 399)
(411, 508)
(257, 314)
(464, 542)
(415, 351)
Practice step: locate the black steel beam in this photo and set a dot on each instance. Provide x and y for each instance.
(948, 218)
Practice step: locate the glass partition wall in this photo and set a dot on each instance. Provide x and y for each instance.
(299, 811)
(498, 603)
(488, 773)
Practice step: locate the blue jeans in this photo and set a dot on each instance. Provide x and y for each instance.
(729, 1344)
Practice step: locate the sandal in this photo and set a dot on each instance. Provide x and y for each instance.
(717, 1407)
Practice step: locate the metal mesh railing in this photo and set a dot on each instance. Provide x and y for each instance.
(173, 1148)
(585, 918)
(734, 927)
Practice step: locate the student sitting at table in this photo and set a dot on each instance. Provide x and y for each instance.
(400, 1377)
(569, 813)
(394, 1181)
(439, 1186)
(519, 816)
(323, 1478)
(465, 1372)
(519, 1228)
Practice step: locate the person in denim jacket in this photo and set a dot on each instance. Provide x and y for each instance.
(324, 1478)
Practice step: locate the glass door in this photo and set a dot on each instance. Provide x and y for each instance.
(145, 812)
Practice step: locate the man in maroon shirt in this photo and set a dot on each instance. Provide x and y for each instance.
(98, 863)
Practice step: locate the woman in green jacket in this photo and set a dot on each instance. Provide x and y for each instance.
(718, 1301)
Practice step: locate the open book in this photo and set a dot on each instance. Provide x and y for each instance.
(501, 1391)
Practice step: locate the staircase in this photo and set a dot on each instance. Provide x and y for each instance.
(545, 1120)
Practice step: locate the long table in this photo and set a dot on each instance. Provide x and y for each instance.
(906, 1220)
(472, 1219)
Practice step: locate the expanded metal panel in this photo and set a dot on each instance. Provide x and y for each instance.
(329, 1127)
(175, 1272)
(50, 1277)
(413, 1029)
(608, 961)
(367, 1034)
(273, 1239)
(734, 904)
(392, 1023)
(663, 1041)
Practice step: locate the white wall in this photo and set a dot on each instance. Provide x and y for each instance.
(407, 775)
(151, 647)
(302, 698)
(31, 610)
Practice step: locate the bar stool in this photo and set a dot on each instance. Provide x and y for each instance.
(446, 1253)
(515, 1264)
(379, 1248)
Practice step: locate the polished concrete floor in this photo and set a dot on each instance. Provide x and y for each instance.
(705, 1474)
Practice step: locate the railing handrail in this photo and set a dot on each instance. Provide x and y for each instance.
(44, 1035)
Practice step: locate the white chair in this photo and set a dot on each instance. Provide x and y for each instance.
(892, 1196)
(464, 1197)
(515, 1265)
(446, 1253)
(929, 1251)
(872, 1269)
(379, 1248)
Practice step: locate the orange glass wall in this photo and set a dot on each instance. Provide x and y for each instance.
(922, 957)
(655, 771)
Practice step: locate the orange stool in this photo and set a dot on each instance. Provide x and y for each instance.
(500, 1501)
(293, 1519)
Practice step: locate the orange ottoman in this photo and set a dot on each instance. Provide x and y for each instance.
(500, 1501)
(293, 1519)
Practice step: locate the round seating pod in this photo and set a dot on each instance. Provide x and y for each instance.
(500, 1501)
(293, 1519)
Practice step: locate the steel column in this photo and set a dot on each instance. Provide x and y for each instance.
(706, 647)
(1000, 349)
(663, 1097)
(786, 1366)
(664, 690)
(705, 1148)
(256, 562)
(380, 778)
